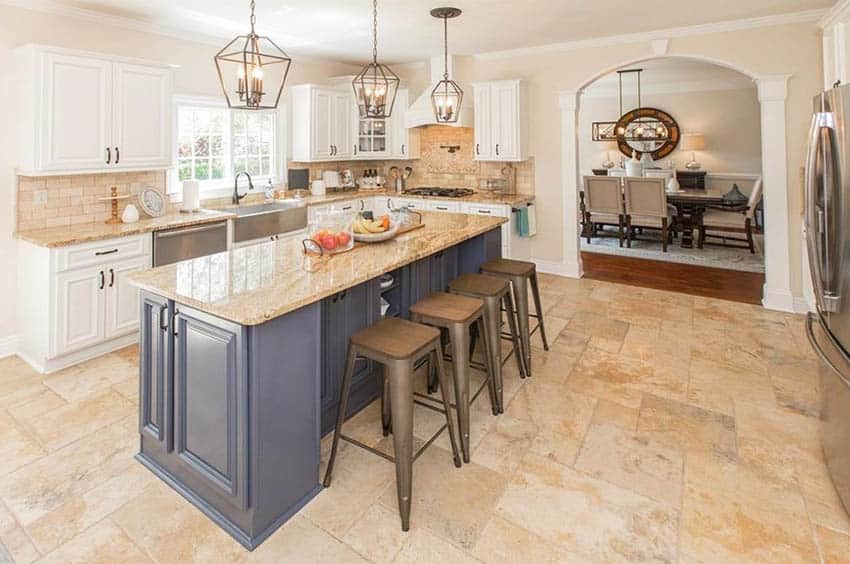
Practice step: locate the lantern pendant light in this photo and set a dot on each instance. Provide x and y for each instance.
(447, 95)
(375, 87)
(255, 62)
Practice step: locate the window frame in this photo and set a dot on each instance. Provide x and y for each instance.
(223, 187)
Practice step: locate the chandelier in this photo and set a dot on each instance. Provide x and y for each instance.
(447, 94)
(375, 87)
(247, 66)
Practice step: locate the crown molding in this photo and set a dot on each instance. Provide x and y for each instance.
(668, 33)
(840, 10)
(192, 32)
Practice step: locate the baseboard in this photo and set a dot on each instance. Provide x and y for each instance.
(569, 270)
(802, 305)
(779, 300)
(8, 346)
(47, 366)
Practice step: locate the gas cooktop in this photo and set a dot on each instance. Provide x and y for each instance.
(440, 192)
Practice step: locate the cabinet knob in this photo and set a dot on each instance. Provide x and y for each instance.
(163, 326)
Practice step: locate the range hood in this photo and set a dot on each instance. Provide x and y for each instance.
(421, 112)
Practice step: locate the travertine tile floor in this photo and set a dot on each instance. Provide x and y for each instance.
(659, 427)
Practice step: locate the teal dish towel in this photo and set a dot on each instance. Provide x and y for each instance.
(522, 221)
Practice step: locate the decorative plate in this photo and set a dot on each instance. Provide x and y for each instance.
(152, 202)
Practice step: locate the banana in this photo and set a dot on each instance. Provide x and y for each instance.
(360, 226)
(373, 227)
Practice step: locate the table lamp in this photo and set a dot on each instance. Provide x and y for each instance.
(693, 142)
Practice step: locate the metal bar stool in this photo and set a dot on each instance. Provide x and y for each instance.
(520, 273)
(397, 344)
(457, 314)
(495, 292)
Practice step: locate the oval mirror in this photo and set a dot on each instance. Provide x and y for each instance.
(647, 130)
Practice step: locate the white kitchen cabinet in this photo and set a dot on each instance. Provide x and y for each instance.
(84, 113)
(404, 142)
(321, 124)
(495, 210)
(501, 124)
(78, 299)
(443, 206)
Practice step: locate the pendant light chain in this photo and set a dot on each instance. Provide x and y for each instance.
(445, 48)
(253, 17)
(375, 31)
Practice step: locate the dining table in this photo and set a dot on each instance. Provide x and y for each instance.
(690, 204)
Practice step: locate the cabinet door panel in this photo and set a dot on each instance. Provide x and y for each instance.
(155, 384)
(505, 119)
(322, 123)
(483, 132)
(79, 309)
(76, 113)
(211, 402)
(122, 298)
(343, 140)
(142, 116)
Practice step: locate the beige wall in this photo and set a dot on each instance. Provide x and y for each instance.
(196, 76)
(789, 49)
(729, 119)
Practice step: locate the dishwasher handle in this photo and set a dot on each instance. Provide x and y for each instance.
(188, 231)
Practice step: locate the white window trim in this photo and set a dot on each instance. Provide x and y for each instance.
(224, 188)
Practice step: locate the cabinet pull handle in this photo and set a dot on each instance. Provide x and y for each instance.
(111, 278)
(117, 155)
(163, 326)
(108, 155)
(355, 149)
(442, 208)
(403, 146)
(477, 148)
(497, 149)
(102, 280)
(101, 253)
(488, 212)
(362, 205)
(174, 322)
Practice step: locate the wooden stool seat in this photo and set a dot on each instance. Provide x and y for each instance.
(509, 267)
(448, 308)
(478, 285)
(395, 338)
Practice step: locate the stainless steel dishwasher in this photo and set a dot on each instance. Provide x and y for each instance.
(185, 243)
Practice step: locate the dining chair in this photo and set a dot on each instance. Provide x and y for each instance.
(731, 219)
(646, 206)
(603, 202)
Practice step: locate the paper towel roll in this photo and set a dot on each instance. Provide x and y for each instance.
(191, 195)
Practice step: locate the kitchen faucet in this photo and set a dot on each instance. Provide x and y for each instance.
(236, 196)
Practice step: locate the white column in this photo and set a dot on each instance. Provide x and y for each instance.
(773, 90)
(571, 261)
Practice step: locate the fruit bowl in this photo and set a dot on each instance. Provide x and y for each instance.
(377, 237)
(375, 231)
(332, 231)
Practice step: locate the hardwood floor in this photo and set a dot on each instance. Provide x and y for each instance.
(703, 281)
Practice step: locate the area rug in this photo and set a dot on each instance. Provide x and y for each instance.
(649, 246)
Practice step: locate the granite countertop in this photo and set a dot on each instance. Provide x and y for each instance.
(478, 197)
(254, 284)
(87, 232)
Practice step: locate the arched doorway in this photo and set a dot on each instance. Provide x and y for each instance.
(772, 93)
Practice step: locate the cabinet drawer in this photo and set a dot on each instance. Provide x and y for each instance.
(90, 254)
(487, 209)
(445, 207)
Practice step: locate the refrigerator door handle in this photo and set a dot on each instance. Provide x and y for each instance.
(810, 318)
(823, 123)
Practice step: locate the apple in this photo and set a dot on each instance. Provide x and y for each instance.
(328, 242)
(343, 238)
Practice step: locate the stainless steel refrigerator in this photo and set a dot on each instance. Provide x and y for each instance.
(827, 220)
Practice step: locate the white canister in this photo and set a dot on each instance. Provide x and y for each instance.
(317, 187)
(191, 196)
(634, 168)
(130, 215)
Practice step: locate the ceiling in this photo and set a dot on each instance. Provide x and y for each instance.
(340, 29)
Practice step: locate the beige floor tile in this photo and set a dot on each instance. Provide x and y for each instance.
(15, 544)
(79, 513)
(822, 501)
(590, 517)
(47, 483)
(46, 400)
(130, 354)
(70, 422)
(129, 388)
(680, 425)
(504, 446)
(595, 325)
(91, 378)
(503, 542)
(553, 324)
(424, 547)
(718, 387)
(720, 528)
(19, 382)
(453, 503)
(103, 543)
(632, 462)
(610, 413)
(552, 367)
(299, 541)
(377, 535)
(17, 446)
(553, 408)
(569, 344)
(180, 533)
(796, 385)
(359, 479)
(834, 546)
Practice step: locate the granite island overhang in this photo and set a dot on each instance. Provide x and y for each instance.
(241, 354)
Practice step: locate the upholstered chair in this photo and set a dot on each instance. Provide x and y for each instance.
(646, 207)
(603, 204)
(716, 221)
